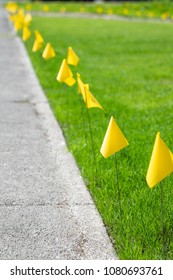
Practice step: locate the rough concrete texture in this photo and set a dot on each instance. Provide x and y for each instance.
(46, 211)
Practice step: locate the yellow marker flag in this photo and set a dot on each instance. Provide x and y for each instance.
(19, 18)
(72, 57)
(65, 75)
(27, 19)
(11, 7)
(114, 140)
(81, 89)
(12, 18)
(26, 33)
(21, 12)
(28, 7)
(45, 8)
(161, 162)
(38, 36)
(37, 46)
(48, 52)
(63, 9)
(90, 100)
(17, 24)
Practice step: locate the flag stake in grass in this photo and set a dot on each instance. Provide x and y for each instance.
(92, 146)
(114, 141)
(133, 104)
(160, 166)
(118, 187)
(67, 108)
(83, 121)
(82, 92)
(91, 102)
(162, 220)
(65, 75)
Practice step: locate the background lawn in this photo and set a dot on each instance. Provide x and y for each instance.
(162, 9)
(129, 67)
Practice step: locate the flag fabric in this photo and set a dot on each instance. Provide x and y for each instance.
(21, 15)
(28, 7)
(11, 7)
(72, 57)
(12, 18)
(90, 100)
(19, 19)
(37, 46)
(27, 19)
(65, 74)
(17, 23)
(48, 52)
(81, 89)
(21, 12)
(26, 33)
(114, 140)
(161, 162)
(45, 8)
(38, 36)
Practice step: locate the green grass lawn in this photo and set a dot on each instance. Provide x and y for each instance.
(146, 9)
(129, 67)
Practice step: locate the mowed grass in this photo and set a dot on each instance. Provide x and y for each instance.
(129, 67)
(144, 9)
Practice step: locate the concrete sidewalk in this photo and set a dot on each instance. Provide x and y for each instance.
(46, 211)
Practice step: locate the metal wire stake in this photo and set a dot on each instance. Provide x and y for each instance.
(67, 110)
(162, 219)
(117, 184)
(92, 144)
(83, 120)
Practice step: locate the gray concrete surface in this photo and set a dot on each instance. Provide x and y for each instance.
(46, 211)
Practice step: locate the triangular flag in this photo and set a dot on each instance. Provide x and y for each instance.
(11, 7)
(114, 140)
(28, 7)
(81, 89)
(21, 15)
(90, 100)
(19, 18)
(38, 36)
(26, 33)
(72, 57)
(48, 52)
(27, 19)
(12, 18)
(65, 75)
(17, 24)
(37, 46)
(45, 8)
(21, 12)
(161, 162)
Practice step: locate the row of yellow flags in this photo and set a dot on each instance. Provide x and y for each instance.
(161, 162)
